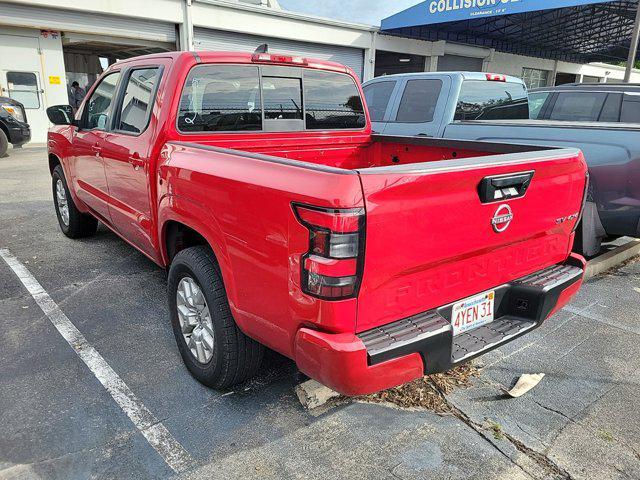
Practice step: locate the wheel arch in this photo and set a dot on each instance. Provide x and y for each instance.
(54, 161)
(182, 224)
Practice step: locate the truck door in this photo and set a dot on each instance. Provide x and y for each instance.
(87, 165)
(419, 106)
(126, 151)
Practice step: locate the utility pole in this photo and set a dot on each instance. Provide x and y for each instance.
(633, 50)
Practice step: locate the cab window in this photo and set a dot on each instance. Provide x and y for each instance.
(137, 103)
(578, 106)
(98, 108)
(378, 95)
(536, 102)
(237, 98)
(492, 100)
(220, 99)
(419, 100)
(332, 101)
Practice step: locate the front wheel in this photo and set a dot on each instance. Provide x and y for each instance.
(73, 223)
(4, 143)
(213, 348)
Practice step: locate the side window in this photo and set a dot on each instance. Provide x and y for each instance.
(137, 103)
(219, 98)
(491, 100)
(536, 102)
(282, 98)
(578, 107)
(98, 107)
(377, 96)
(611, 109)
(332, 101)
(419, 100)
(631, 109)
(23, 87)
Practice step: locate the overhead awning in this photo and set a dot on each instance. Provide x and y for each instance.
(579, 31)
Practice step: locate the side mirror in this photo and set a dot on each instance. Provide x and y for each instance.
(61, 115)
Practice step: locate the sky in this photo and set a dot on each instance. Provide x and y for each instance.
(358, 11)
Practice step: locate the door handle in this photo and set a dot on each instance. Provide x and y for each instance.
(96, 149)
(136, 161)
(504, 187)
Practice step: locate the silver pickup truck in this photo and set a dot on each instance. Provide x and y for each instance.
(494, 108)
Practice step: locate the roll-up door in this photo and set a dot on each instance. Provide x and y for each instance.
(457, 63)
(86, 22)
(207, 39)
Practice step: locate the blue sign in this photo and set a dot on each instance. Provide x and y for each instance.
(441, 11)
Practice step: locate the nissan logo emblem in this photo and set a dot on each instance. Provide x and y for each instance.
(502, 218)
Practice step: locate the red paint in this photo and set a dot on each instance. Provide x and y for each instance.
(429, 240)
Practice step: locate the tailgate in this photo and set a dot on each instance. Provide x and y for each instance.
(436, 234)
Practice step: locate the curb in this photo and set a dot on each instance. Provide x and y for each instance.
(612, 259)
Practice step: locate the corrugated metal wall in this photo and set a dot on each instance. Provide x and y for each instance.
(207, 39)
(86, 22)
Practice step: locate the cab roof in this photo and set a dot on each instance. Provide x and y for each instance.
(239, 57)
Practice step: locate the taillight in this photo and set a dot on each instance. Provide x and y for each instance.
(332, 267)
(496, 77)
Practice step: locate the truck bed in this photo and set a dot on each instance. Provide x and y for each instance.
(429, 236)
(376, 151)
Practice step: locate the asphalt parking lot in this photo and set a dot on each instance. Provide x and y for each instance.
(58, 421)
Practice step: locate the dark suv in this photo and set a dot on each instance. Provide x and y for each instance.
(587, 102)
(14, 128)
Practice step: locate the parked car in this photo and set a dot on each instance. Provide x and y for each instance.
(489, 107)
(369, 260)
(587, 102)
(14, 128)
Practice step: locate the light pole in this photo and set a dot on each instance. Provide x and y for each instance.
(633, 50)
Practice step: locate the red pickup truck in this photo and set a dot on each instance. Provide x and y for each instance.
(283, 222)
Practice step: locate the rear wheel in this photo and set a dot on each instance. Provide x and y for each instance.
(73, 223)
(212, 346)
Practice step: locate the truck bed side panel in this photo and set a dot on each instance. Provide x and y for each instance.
(255, 235)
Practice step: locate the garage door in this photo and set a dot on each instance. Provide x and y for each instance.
(86, 22)
(206, 39)
(457, 63)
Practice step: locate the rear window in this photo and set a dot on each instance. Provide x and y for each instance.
(490, 100)
(377, 96)
(332, 101)
(282, 98)
(419, 101)
(219, 98)
(578, 107)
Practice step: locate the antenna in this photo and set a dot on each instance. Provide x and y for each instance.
(264, 48)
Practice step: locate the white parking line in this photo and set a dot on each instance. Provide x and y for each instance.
(151, 428)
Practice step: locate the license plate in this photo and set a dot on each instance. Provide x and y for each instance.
(473, 312)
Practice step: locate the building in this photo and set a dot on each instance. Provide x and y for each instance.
(44, 45)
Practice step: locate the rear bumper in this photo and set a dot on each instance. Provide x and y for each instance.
(405, 350)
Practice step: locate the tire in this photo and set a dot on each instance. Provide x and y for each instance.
(73, 223)
(233, 357)
(4, 144)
